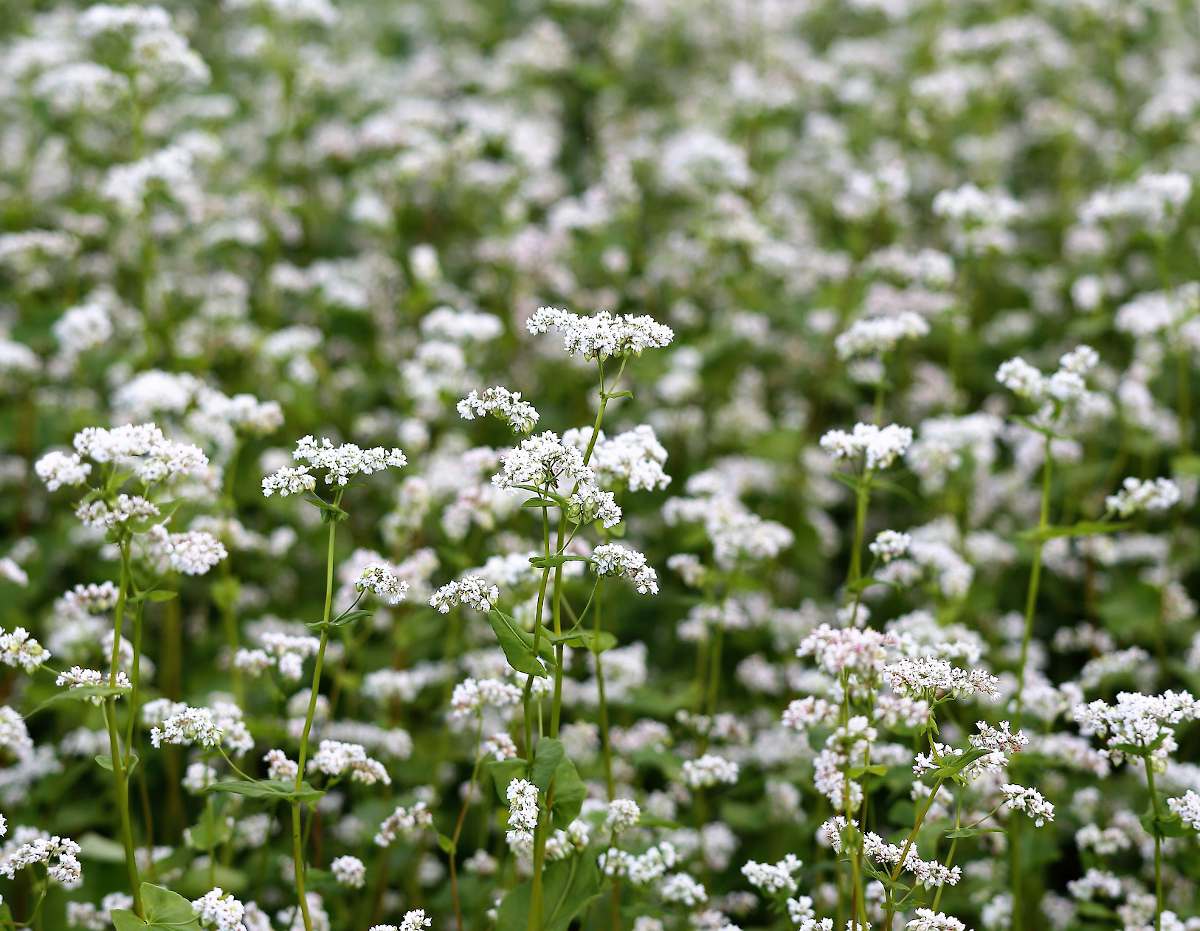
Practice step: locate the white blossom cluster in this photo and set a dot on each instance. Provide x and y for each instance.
(601, 335)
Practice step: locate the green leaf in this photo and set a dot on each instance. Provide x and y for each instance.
(1165, 825)
(569, 886)
(952, 769)
(447, 844)
(271, 789)
(343, 619)
(516, 643)
(505, 771)
(547, 754)
(552, 562)
(973, 832)
(165, 910)
(330, 513)
(591, 640)
(569, 793)
(539, 503)
(101, 849)
(104, 760)
(82, 693)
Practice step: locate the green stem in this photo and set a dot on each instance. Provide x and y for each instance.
(120, 780)
(297, 834)
(1035, 575)
(908, 843)
(1158, 886)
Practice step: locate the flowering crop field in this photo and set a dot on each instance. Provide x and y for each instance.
(599, 465)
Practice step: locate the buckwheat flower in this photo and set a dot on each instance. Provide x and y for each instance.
(336, 758)
(59, 855)
(1136, 495)
(11, 571)
(279, 766)
(341, 463)
(198, 777)
(709, 770)
(20, 649)
(406, 822)
(349, 871)
(500, 746)
(635, 458)
(220, 910)
(880, 446)
(602, 335)
(803, 714)
(415, 921)
(57, 469)
(471, 590)
(186, 728)
(614, 559)
(877, 335)
(522, 797)
(102, 515)
(77, 678)
(540, 460)
(773, 878)
(1030, 801)
(590, 503)
(861, 651)
(1022, 379)
(889, 545)
(1187, 807)
(623, 813)
(499, 402)
(928, 920)
(383, 583)
(934, 679)
(1146, 722)
(999, 739)
(472, 695)
(683, 889)
(194, 552)
(288, 481)
(927, 873)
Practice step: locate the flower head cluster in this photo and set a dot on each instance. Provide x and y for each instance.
(472, 590)
(709, 770)
(59, 855)
(473, 695)
(1029, 801)
(383, 583)
(602, 335)
(932, 679)
(773, 878)
(878, 335)
(339, 463)
(336, 759)
(499, 402)
(1137, 724)
(20, 649)
(1136, 495)
(403, 822)
(879, 447)
(615, 559)
(220, 909)
(522, 798)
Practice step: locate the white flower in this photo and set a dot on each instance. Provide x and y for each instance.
(614, 559)
(1136, 495)
(877, 335)
(336, 758)
(773, 878)
(57, 469)
(349, 871)
(20, 649)
(288, 481)
(889, 545)
(220, 909)
(507, 405)
(59, 855)
(472, 590)
(382, 582)
(623, 813)
(1187, 807)
(602, 335)
(403, 821)
(881, 446)
(522, 798)
(934, 679)
(928, 920)
(1030, 801)
(709, 770)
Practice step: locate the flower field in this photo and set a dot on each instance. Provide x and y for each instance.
(600, 465)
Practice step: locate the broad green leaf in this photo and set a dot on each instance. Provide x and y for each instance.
(591, 640)
(569, 793)
(569, 886)
(547, 754)
(165, 911)
(951, 769)
(104, 760)
(505, 771)
(516, 643)
(271, 789)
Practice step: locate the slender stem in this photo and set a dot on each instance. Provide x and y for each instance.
(908, 843)
(120, 780)
(1035, 575)
(297, 834)
(458, 825)
(1158, 886)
